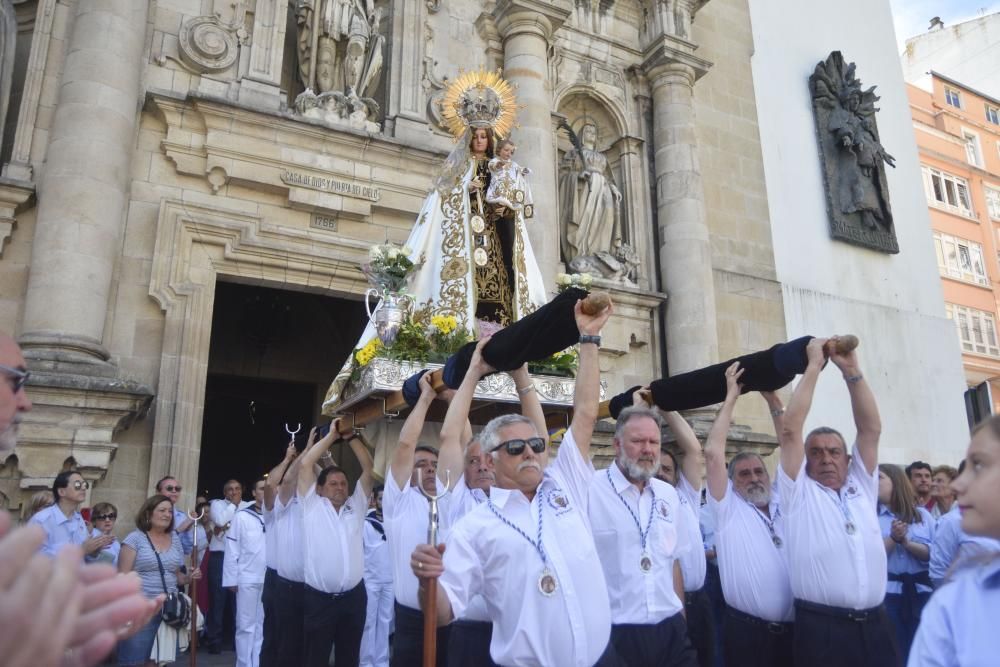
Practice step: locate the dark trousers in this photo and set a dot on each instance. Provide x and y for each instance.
(289, 610)
(408, 640)
(664, 644)
(269, 647)
(334, 621)
(222, 604)
(833, 637)
(469, 644)
(700, 625)
(753, 642)
(713, 586)
(904, 611)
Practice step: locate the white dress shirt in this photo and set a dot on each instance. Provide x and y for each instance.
(753, 570)
(694, 566)
(270, 517)
(291, 562)
(485, 556)
(637, 596)
(378, 559)
(463, 500)
(221, 511)
(334, 547)
(245, 560)
(827, 564)
(405, 511)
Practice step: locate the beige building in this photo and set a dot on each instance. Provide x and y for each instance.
(188, 188)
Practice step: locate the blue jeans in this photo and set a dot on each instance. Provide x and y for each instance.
(135, 650)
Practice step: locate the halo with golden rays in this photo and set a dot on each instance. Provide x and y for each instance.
(479, 80)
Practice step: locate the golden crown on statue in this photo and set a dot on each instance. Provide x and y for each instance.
(476, 99)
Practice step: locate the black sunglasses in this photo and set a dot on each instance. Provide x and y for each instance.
(516, 447)
(171, 489)
(102, 517)
(18, 376)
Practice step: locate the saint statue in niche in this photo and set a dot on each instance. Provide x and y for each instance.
(853, 157)
(340, 49)
(589, 199)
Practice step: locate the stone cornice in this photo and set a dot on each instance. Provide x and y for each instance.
(541, 17)
(15, 195)
(672, 54)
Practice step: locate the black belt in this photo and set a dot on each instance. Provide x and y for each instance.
(336, 596)
(856, 615)
(774, 627)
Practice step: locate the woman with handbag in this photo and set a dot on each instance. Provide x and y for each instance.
(154, 552)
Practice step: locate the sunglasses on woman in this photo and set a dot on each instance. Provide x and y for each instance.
(105, 517)
(516, 447)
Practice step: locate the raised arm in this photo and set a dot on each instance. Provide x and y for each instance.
(715, 444)
(307, 474)
(402, 459)
(777, 410)
(531, 407)
(588, 378)
(291, 480)
(357, 446)
(689, 446)
(277, 474)
(451, 460)
(793, 450)
(866, 417)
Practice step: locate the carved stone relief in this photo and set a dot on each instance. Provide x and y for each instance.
(852, 156)
(341, 50)
(208, 45)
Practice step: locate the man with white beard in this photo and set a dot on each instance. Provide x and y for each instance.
(750, 543)
(635, 519)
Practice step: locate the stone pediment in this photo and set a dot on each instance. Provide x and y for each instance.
(342, 173)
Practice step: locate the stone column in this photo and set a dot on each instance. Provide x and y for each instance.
(685, 251)
(526, 27)
(82, 192)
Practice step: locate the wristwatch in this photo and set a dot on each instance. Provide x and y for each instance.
(589, 338)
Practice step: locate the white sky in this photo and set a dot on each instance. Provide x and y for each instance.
(913, 17)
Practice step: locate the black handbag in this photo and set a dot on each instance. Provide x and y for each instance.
(175, 611)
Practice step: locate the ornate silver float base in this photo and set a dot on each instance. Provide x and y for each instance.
(383, 376)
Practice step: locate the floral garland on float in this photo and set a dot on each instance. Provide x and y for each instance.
(420, 335)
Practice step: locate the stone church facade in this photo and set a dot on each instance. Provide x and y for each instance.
(154, 151)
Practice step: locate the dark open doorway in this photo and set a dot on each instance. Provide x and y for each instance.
(273, 355)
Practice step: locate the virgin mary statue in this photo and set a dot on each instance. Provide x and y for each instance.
(475, 260)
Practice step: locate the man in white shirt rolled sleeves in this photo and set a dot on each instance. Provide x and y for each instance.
(750, 546)
(333, 523)
(243, 575)
(221, 602)
(635, 518)
(406, 518)
(471, 636)
(837, 558)
(529, 551)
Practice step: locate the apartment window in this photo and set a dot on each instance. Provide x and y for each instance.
(976, 329)
(973, 149)
(993, 114)
(952, 97)
(993, 202)
(959, 258)
(947, 191)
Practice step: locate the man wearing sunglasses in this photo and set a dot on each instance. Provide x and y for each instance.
(183, 524)
(14, 401)
(63, 522)
(471, 635)
(528, 550)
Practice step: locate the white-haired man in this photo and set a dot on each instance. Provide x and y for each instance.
(636, 521)
(750, 543)
(528, 551)
(836, 555)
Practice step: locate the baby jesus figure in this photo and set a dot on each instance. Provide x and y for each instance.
(508, 185)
